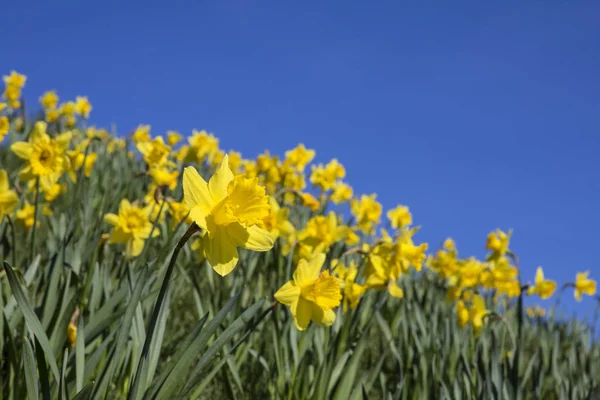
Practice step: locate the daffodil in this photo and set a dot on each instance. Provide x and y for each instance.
(173, 138)
(4, 125)
(367, 211)
(46, 157)
(132, 227)
(202, 147)
(311, 295)
(584, 285)
(8, 198)
(155, 152)
(141, 134)
(352, 291)
(49, 100)
(542, 287)
(230, 209)
(400, 217)
(299, 157)
(342, 193)
(277, 222)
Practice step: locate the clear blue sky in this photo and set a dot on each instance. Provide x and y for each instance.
(476, 115)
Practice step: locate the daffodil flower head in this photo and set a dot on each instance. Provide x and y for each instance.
(584, 285)
(543, 287)
(132, 226)
(230, 209)
(311, 295)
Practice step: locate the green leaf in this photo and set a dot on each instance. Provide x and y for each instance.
(227, 335)
(31, 378)
(178, 374)
(85, 393)
(80, 355)
(32, 320)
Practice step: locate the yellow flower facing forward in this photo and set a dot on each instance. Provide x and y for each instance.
(584, 285)
(15, 79)
(49, 100)
(230, 209)
(543, 287)
(311, 295)
(367, 211)
(46, 157)
(8, 198)
(462, 314)
(342, 193)
(299, 157)
(4, 125)
(132, 227)
(82, 106)
(400, 217)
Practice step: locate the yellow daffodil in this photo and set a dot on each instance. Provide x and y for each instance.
(173, 138)
(308, 200)
(155, 152)
(132, 227)
(8, 198)
(399, 217)
(299, 157)
(141, 134)
(311, 295)
(230, 210)
(584, 285)
(367, 211)
(164, 177)
(352, 291)
(46, 157)
(277, 222)
(342, 193)
(543, 287)
(497, 243)
(49, 100)
(202, 147)
(537, 311)
(4, 125)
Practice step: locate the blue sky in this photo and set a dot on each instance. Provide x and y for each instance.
(476, 115)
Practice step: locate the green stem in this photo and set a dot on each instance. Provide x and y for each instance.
(14, 241)
(157, 306)
(35, 213)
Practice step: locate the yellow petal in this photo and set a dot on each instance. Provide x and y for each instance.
(8, 202)
(287, 294)
(124, 205)
(539, 275)
(112, 219)
(134, 247)
(259, 239)
(302, 312)
(395, 290)
(3, 181)
(219, 181)
(323, 317)
(118, 236)
(308, 271)
(22, 149)
(195, 190)
(221, 253)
